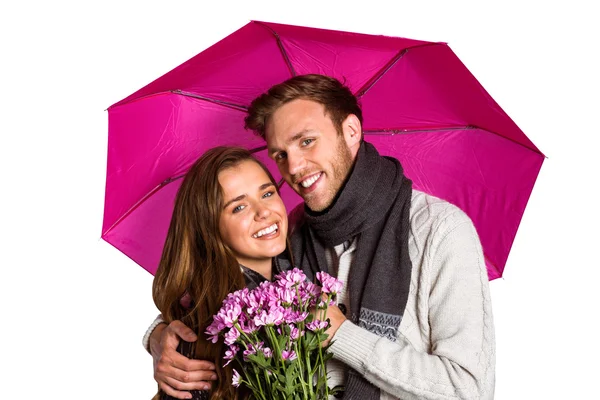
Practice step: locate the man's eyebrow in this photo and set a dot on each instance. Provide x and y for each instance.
(240, 197)
(297, 136)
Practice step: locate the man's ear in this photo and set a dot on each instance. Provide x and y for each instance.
(352, 130)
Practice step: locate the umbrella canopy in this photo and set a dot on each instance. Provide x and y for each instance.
(420, 104)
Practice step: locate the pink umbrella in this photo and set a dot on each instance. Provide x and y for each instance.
(420, 104)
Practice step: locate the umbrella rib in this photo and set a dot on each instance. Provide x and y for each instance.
(380, 74)
(400, 131)
(257, 149)
(371, 82)
(410, 130)
(492, 264)
(280, 183)
(280, 45)
(238, 107)
(140, 201)
(160, 186)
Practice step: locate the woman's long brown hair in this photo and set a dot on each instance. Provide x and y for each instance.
(195, 260)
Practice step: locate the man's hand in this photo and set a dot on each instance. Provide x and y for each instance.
(336, 318)
(175, 373)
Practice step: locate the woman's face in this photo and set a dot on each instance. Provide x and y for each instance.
(253, 221)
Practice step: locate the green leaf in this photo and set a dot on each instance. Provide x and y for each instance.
(282, 341)
(281, 378)
(259, 360)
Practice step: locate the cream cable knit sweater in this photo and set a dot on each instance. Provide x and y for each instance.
(445, 347)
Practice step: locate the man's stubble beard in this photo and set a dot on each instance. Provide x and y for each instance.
(341, 165)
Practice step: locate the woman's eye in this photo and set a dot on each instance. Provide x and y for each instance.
(268, 194)
(306, 142)
(238, 209)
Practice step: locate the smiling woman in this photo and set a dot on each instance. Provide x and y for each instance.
(228, 231)
(253, 221)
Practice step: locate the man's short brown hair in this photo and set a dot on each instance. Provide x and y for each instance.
(338, 100)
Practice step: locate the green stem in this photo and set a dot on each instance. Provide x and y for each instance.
(310, 375)
(304, 384)
(324, 310)
(322, 368)
(322, 371)
(267, 380)
(273, 339)
(259, 385)
(299, 299)
(239, 328)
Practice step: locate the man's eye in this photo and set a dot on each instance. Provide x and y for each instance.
(280, 156)
(238, 209)
(306, 142)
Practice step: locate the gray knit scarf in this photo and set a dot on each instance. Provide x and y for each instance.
(374, 207)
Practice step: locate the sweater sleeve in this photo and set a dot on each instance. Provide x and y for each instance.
(146, 339)
(459, 363)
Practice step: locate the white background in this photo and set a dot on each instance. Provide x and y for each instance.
(74, 308)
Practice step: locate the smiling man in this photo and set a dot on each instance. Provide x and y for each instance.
(308, 151)
(414, 319)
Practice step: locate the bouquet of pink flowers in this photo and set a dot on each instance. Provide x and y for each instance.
(275, 332)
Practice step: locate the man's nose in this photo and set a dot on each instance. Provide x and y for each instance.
(296, 163)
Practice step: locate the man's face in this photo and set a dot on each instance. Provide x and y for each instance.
(310, 154)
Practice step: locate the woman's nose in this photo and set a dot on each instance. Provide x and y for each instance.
(262, 212)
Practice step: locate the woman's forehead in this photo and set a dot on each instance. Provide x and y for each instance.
(246, 174)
